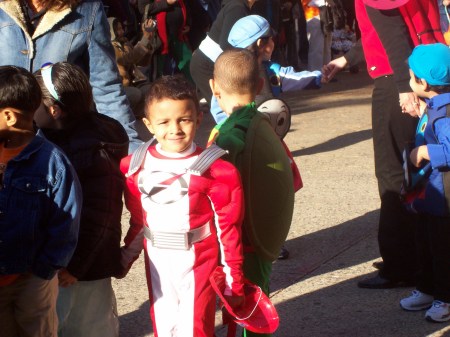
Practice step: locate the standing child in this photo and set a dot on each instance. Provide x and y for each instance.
(185, 216)
(40, 202)
(254, 33)
(262, 160)
(95, 144)
(430, 79)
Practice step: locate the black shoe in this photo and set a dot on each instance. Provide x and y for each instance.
(378, 282)
(378, 265)
(284, 254)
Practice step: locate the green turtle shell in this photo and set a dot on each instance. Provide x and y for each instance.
(268, 188)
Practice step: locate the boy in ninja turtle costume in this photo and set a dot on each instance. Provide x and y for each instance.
(258, 153)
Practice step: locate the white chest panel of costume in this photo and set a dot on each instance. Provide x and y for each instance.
(164, 186)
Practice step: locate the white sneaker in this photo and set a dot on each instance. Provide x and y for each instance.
(439, 312)
(417, 301)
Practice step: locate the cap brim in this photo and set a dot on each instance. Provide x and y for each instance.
(385, 4)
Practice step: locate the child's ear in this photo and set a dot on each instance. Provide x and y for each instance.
(214, 88)
(56, 112)
(148, 125)
(260, 85)
(9, 116)
(425, 84)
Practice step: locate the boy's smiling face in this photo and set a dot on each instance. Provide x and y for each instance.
(173, 123)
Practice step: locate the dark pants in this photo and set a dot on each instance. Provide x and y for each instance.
(396, 232)
(433, 241)
(202, 69)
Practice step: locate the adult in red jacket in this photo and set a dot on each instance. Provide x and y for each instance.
(387, 38)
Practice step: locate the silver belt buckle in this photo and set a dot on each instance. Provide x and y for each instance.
(170, 240)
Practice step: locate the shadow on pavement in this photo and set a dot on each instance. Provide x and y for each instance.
(308, 252)
(137, 321)
(330, 304)
(336, 143)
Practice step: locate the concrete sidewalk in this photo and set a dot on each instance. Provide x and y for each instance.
(333, 236)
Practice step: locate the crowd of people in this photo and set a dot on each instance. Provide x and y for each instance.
(75, 75)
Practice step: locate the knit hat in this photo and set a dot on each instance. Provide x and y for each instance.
(248, 30)
(385, 4)
(431, 62)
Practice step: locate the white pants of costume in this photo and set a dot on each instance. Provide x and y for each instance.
(88, 309)
(319, 45)
(183, 300)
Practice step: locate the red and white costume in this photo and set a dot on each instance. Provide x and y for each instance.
(164, 198)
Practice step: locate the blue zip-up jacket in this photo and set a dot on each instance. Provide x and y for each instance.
(40, 204)
(434, 132)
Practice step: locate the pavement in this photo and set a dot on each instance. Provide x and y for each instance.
(333, 237)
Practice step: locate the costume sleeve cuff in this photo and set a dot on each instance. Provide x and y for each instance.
(437, 155)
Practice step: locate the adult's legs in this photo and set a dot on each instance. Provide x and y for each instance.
(202, 69)
(391, 130)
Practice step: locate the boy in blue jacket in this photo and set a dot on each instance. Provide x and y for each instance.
(40, 203)
(430, 79)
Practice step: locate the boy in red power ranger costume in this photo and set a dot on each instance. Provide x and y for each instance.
(186, 209)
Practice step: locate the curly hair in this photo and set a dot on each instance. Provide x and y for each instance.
(174, 87)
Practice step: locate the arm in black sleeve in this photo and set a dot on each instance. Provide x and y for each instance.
(156, 7)
(355, 55)
(395, 38)
(233, 13)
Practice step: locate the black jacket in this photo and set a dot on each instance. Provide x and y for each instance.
(95, 146)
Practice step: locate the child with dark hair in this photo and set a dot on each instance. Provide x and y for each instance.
(186, 209)
(40, 200)
(95, 144)
(430, 79)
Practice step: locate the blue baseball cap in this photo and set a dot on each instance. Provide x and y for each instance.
(248, 30)
(431, 62)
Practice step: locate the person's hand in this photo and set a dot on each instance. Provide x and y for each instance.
(410, 103)
(171, 2)
(422, 107)
(65, 278)
(419, 154)
(148, 28)
(332, 68)
(446, 2)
